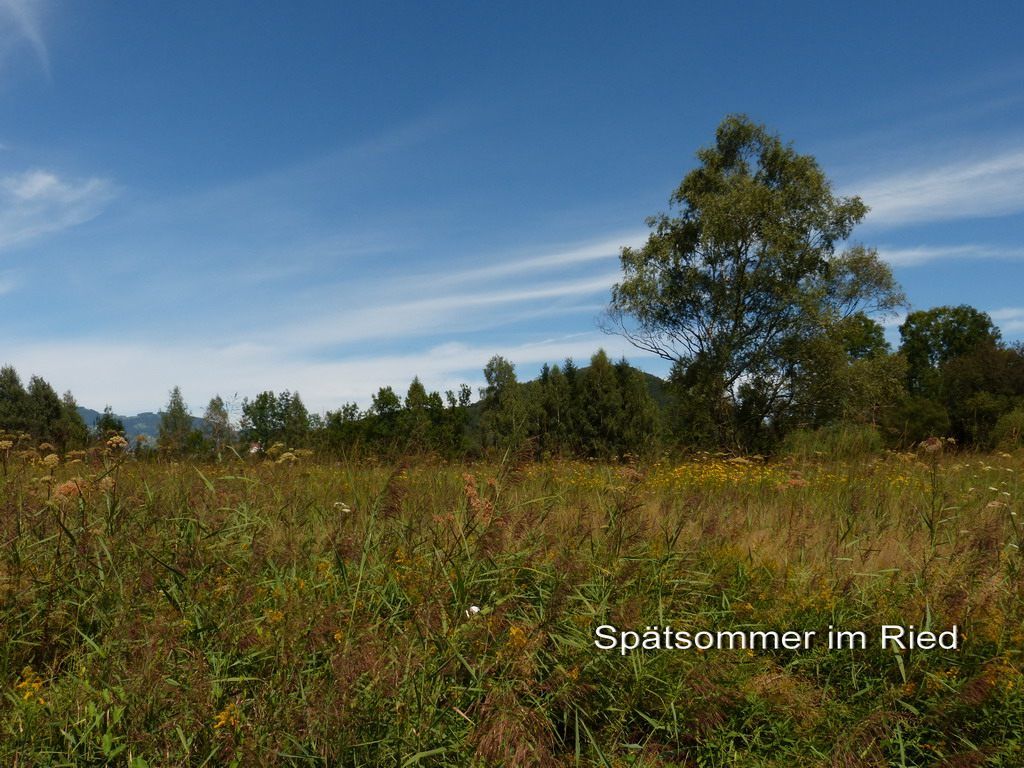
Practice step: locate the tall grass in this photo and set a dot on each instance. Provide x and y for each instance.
(326, 614)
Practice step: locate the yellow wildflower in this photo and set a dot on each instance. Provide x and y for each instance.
(227, 717)
(30, 686)
(517, 638)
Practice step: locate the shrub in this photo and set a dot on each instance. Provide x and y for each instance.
(1008, 432)
(842, 440)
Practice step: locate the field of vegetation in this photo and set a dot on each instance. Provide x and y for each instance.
(293, 611)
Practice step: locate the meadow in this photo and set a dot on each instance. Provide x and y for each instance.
(296, 611)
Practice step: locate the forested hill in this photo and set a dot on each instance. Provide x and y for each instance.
(147, 423)
(658, 389)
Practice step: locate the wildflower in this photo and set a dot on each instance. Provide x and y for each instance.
(117, 443)
(274, 616)
(51, 460)
(67, 489)
(472, 611)
(227, 717)
(287, 458)
(932, 445)
(30, 686)
(6, 445)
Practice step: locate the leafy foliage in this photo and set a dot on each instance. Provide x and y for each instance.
(735, 286)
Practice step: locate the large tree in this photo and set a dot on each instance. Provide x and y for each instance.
(933, 337)
(733, 285)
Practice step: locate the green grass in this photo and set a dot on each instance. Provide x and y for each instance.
(316, 613)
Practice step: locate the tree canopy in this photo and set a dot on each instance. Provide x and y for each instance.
(734, 285)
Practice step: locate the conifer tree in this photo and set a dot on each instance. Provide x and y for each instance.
(108, 424)
(175, 425)
(638, 426)
(416, 416)
(71, 431)
(558, 432)
(600, 407)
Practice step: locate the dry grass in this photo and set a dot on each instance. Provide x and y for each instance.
(321, 614)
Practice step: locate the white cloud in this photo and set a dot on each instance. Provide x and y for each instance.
(1009, 319)
(893, 321)
(133, 377)
(980, 187)
(19, 24)
(298, 354)
(37, 202)
(375, 313)
(606, 249)
(923, 254)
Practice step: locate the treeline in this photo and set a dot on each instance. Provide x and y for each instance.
(39, 412)
(601, 411)
(961, 380)
(951, 376)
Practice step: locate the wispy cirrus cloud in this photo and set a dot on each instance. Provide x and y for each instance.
(20, 26)
(37, 202)
(607, 250)
(342, 341)
(975, 188)
(924, 254)
(1010, 319)
(366, 317)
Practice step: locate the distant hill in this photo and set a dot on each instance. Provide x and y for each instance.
(657, 388)
(147, 423)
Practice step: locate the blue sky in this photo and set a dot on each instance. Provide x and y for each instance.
(328, 198)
